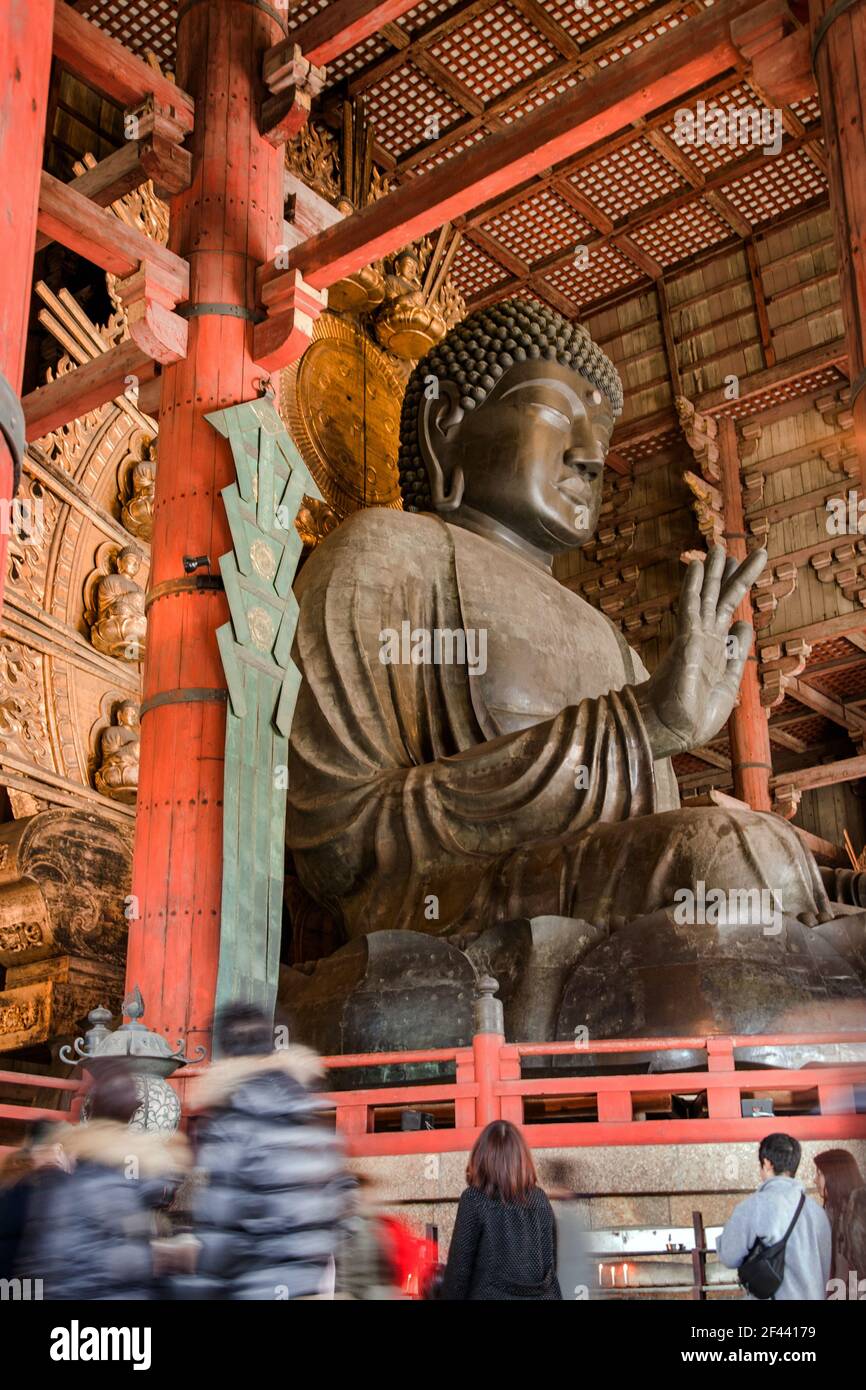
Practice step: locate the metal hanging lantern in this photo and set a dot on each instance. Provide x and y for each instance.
(150, 1057)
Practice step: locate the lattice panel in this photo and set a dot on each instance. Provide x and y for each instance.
(494, 52)
(539, 98)
(832, 650)
(358, 57)
(474, 271)
(653, 31)
(848, 683)
(681, 233)
(815, 730)
(627, 179)
(710, 158)
(648, 448)
(427, 12)
(686, 765)
(401, 107)
(140, 24)
(606, 272)
(780, 183)
(785, 709)
(539, 227)
(785, 391)
(446, 153)
(586, 20)
(808, 110)
(307, 10)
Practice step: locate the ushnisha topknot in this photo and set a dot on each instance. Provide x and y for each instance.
(476, 353)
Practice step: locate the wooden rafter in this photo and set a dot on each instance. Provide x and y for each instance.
(68, 217)
(825, 775)
(329, 34)
(694, 53)
(111, 68)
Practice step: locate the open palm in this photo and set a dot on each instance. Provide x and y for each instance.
(693, 689)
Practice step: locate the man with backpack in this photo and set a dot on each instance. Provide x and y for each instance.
(778, 1238)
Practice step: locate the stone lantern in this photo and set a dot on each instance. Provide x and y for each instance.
(150, 1058)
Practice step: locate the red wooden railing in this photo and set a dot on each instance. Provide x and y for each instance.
(488, 1084)
(22, 1114)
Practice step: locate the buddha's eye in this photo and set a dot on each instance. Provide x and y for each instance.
(550, 413)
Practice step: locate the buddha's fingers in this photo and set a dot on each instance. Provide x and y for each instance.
(738, 585)
(714, 568)
(690, 594)
(742, 634)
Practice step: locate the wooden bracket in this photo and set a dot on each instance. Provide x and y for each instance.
(786, 799)
(152, 325)
(160, 147)
(290, 96)
(779, 666)
(292, 309)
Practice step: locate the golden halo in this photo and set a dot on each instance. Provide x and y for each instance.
(342, 403)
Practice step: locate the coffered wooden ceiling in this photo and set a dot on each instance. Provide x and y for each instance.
(620, 216)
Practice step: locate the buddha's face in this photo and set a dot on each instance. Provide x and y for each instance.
(531, 455)
(127, 715)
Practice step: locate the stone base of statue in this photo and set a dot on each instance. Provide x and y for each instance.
(391, 991)
(562, 978)
(656, 977)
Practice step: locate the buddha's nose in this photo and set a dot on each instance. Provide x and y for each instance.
(588, 467)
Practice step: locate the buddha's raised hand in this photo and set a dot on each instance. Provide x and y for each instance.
(693, 689)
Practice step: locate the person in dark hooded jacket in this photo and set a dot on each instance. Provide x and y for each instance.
(275, 1194)
(89, 1232)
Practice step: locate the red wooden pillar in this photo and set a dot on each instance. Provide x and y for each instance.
(226, 224)
(748, 728)
(839, 49)
(25, 68)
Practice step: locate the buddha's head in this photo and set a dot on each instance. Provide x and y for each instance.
(128, 561)
(128, 714)
(509, 418)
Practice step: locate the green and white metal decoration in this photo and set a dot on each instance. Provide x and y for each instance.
(255, 646)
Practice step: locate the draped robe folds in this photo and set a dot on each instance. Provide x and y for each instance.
(423, 796)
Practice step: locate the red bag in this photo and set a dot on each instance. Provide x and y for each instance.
(413, 1258)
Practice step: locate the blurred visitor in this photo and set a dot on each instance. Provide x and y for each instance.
(89, 1232)
(767, 1214)
(572, 1261)
(39, 1162)
(503, 1246)
(853, 1243)
(836, 1175)
(276, 1195)
(366, 1265)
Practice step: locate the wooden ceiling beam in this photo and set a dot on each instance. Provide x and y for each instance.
(544, 22)
(100, 237)
(794, 745)
(332, 32)
(840, 714)
(656, 74)
(112, 69)
(85, 388)
(826, 775)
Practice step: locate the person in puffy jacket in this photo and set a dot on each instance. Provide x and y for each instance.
(90, 1230)
(275, 1194)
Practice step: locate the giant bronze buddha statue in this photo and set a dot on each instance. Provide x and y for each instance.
(476, 749)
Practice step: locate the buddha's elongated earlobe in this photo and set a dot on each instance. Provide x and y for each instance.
(446, 501)
(440, 416)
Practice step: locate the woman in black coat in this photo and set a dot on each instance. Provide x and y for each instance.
(504, 1245)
